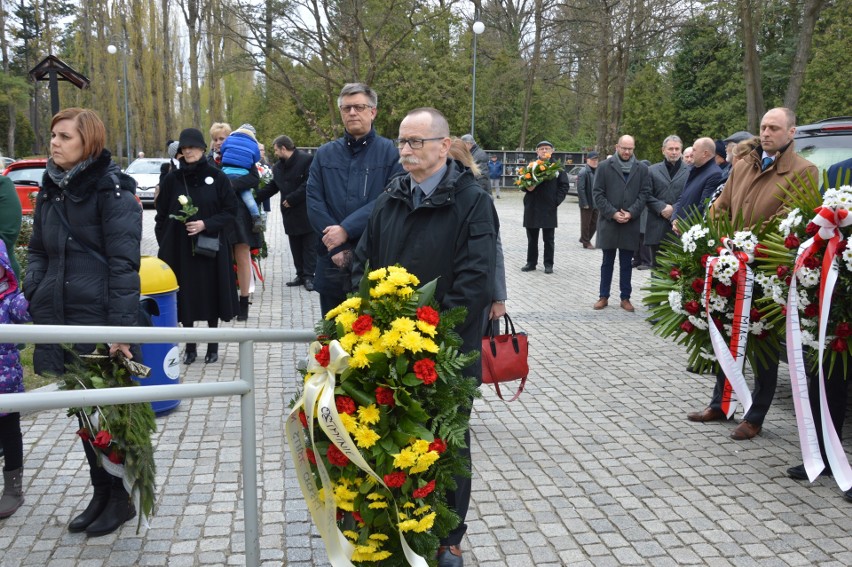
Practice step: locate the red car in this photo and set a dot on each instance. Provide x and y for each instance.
(26, 174)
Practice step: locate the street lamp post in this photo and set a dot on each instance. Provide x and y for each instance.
(112, 50)
(478, 28)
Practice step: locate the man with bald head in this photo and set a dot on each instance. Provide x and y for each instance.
(703, 179)
(436, 221)
(757, 189)
(622, 186)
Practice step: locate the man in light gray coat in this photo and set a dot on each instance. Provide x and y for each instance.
(667, 180)
(622, 186)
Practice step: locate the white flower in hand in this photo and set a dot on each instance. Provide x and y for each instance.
(183, 200)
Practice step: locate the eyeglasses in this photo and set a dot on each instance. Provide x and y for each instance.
(347, 108)
(414, 143)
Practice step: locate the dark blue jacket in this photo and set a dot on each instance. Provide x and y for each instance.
(345, 178)
(700, 185)
(837, 174)
(240, 150)
(495, 169)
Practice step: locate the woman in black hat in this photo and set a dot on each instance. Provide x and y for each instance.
(207, 286)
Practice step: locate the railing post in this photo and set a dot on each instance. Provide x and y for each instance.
(249, 437)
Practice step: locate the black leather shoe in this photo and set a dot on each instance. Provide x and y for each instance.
(295, 282)
(211, 357)
(528, 268)
(450, 556)
(548, 269)
(309, 284)
(92, 512)
(799, 473)
(189, 356)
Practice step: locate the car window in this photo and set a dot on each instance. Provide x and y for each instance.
(27, 175)
(144, 166)
(824, 151)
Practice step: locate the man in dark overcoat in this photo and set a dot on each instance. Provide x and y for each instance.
(667, 180)
(290, 178)
(622, 186)
(588, 212)
(540, 203)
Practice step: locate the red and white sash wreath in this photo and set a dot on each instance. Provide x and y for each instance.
(731, 357)
(829, 220)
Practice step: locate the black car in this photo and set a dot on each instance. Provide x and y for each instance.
(826, 142)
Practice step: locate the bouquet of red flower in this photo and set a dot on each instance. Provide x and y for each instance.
(120, 434)
(375, 435)
(537, 172)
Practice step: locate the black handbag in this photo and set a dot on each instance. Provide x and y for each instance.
(206, 245)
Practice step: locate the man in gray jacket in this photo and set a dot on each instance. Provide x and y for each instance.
(622, 185)
(667, 180)
(588, 212)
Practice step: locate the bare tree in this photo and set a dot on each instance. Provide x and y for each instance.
(810, 15)
(755, 105)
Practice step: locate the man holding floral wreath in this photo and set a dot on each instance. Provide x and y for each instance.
(540, 203)
(756, 190)
(437, 222)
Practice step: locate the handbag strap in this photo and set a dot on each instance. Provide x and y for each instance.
(518, 393)
(508, 323)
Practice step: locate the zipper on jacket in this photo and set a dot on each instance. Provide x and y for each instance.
(366, 176)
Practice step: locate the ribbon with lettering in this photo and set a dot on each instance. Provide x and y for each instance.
(318, 401)
(731, 357)
(829, 221)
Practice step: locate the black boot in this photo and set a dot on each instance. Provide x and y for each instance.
(212, 353)
(190, 354)
(118, 510)
(244, 304)
(102, 481)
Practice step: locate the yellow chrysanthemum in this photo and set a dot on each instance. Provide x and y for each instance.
(408, 525)
(365, 548)
(352, 303)
(402, 325)
(349, 422)
(429, 346)
(308, 376)
(382, 289)
(390, 341)
(397, 278)
(377, 274)
(422, 510)
(359, 355)
(412, 279)
(405, 292)
(404, 459)
(346, 319)
(378, 505)
(381, 555)
(375, 496)
(424, 462)
(366, 437)
(369, 415)
(426, 523)
(379, 537)
(351, 535)
(348, 342)
(407, 505)
(321, 494)
(412, 341)
(421, 446)
(426, 328)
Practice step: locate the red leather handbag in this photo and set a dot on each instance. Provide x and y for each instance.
(504, 358)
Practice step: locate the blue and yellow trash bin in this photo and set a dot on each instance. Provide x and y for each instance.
(158, 282)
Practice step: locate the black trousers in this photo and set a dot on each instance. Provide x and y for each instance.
(765, 380)
(12, 441)
(547, 234)
(304, 250)
(836, 393)
(458, 500)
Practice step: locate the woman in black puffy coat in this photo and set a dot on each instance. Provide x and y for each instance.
(207, 285)
(83, 269)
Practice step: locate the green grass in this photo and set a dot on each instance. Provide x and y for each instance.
(31, 379)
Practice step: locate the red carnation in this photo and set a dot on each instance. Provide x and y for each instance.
(344, 404)
(754, 314)
(336, 457)
(760, 251)
(717, 322)
(841, 246)
(384, 396)
(303, 418)
(395, 479)
(102, 439)
(792, 241)
(356, 515)
(438, 445)
(784, 310)
(782, 271)
(312, 458)
(84, 434)
(428, 315)
(425, 490)
(838, 345)
(811, 262)
(723, 290)
(115, 457)
(811, 310)
(698, 285)
(704, 259)
(843, 330)
(687, 327)
(323, 356)
(692, 307)
(674, 274)
(362, 325)
(424, 369)
(811, 229)
(788, 280)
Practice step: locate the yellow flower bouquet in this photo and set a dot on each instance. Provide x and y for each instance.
(376, 432)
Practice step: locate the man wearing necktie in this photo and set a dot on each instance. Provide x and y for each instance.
(756, 189)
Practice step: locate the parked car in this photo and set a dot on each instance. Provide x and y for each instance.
(6, 162)
(26, 174)
(146, 172)
(573, 174)
(826, 142)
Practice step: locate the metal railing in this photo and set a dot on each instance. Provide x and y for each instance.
(244, 387)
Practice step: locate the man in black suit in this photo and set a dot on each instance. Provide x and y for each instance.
(290, 177)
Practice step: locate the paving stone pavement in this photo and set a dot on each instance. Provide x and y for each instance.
(595, 464)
